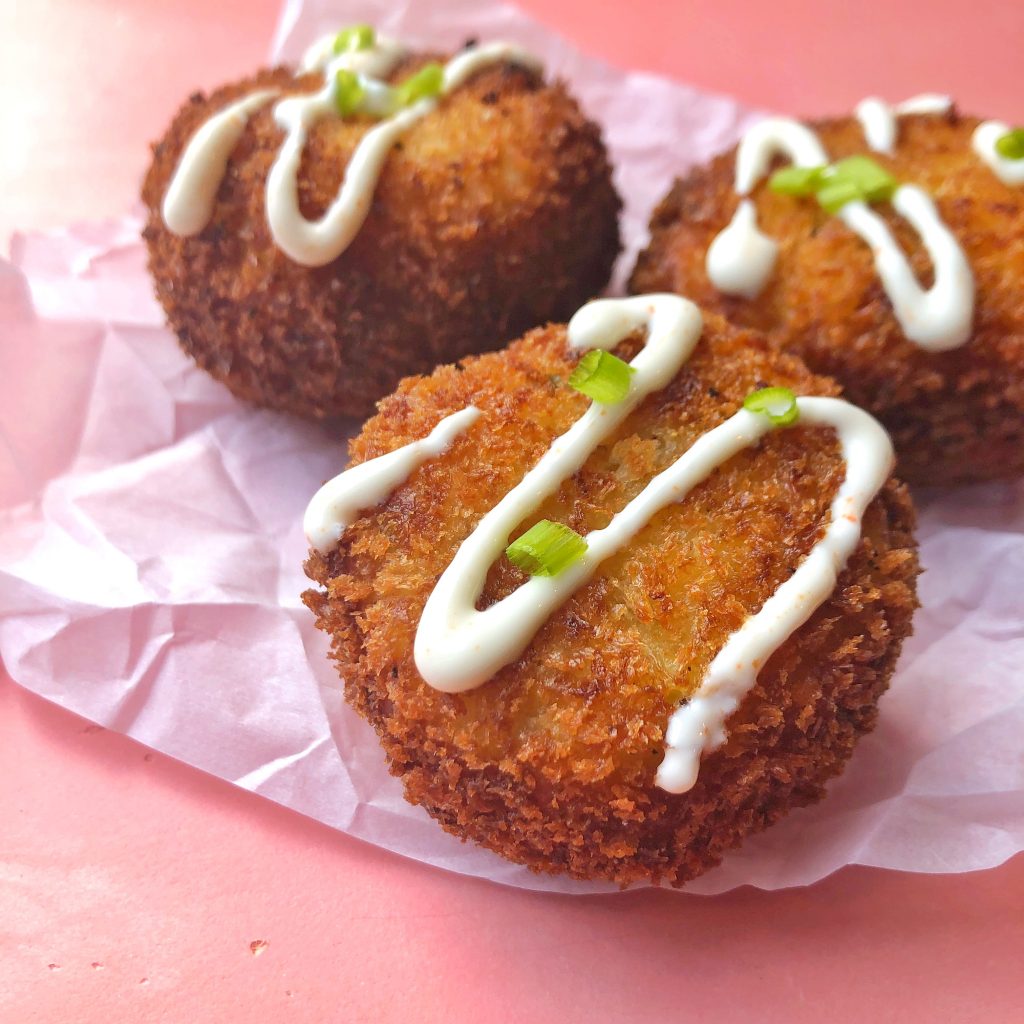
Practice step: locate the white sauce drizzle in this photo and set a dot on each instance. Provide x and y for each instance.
(458, 648)
(878, 118)
(337, 504)
(775, 136)
(936, 318)
(377, 61)
(188, 203)
(698, 726)
(741, 258)
(1010, 172)
(737, 263)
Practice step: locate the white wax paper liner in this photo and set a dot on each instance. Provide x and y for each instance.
(150, 553)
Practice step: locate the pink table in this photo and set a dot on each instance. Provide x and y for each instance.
(135, 889)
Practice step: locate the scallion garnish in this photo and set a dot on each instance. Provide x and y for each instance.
(602, 377)
(354, 38)
(836, 194)
(797, 181)
(546, 549)
(778, 404)
(875, 182)
(424, 84)
(348, 92)
(1011, 145)
(856, 177)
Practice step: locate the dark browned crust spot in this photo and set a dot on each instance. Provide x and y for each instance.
(956, 416)
(551, 763)
(494, 214)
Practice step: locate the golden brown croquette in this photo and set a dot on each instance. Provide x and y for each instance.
(552, 762)
(954, 416)
(494, 213)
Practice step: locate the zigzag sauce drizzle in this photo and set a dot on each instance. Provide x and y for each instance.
(188, 201)
(458, 648)
(741, 257)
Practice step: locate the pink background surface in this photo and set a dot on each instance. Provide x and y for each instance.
(135, 889)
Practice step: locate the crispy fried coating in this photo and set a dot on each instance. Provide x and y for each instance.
(493, 214)
(552, 762)
(954, 416)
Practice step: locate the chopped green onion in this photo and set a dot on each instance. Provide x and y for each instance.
(876, 183)
(354, 38)
(778, 404)
(348, 92)
(856, 177)
(835, 195)
(546, 549)
(797, 181)
(425, 84)
(1011, 145)
(602, 377)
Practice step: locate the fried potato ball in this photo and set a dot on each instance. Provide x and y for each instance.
(954, 416)
(551, 763)
(494, 213)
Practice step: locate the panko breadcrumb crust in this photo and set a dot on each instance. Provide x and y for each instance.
(493, 214)
(954, 416)
(552, 762)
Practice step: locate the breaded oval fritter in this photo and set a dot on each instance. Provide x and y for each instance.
(954, 416)
(552, 762)
(492, 214)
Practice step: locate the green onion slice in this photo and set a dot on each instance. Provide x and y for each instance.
(1011, 145)
(425, 84)
(354, 38)
(797, 181)
(856, 177)
(546, 549)
(836, 194)
(778, 404)
(348, 92)
(875, 183)
(601, 376)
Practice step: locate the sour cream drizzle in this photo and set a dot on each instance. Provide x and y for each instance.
(878, 118)
(337, 504)
(738, 260)
(188, 203)
(741, 258)
(698, 726)
(458, 647)
(1010, 172)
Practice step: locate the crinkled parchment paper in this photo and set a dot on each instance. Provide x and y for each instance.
(150, 552)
